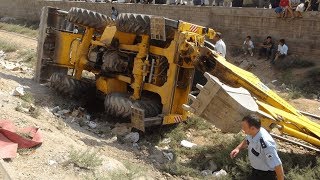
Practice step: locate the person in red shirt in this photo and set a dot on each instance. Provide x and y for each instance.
(283, 9)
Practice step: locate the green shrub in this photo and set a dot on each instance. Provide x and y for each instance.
(7, 46)
(84, 159)
(19, 29)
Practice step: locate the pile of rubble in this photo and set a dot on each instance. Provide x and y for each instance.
(13, 66)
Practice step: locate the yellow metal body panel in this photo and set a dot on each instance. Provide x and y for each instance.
(110, 85)
(108, 35)
(64, 40)
(200, 30)
(139, 67)
(82, 53)
(173, 118)
(125, 38)
(74, 50)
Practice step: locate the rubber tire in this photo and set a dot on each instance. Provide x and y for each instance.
(68, 86)
(119, 105)
(89, 18)
(133, 23)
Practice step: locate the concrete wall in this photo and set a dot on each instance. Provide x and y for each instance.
(302, 35)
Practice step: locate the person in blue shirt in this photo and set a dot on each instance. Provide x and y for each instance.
(263, 156)
(114, 13)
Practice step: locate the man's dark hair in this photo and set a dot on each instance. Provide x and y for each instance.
(282, 41)
(218, 34)
(249, 37)
(112, 8)
(252, 120)
(269, 37)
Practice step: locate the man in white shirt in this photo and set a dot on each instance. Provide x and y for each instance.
(248, 46)
(282, 51)
(220, 46)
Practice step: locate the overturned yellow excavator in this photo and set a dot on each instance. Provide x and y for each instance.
(145, 66)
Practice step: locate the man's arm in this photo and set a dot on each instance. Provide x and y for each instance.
(236, 150)
(279, 172)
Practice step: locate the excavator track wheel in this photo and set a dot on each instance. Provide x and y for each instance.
(119, 105)
(89, 18)
(69, 86)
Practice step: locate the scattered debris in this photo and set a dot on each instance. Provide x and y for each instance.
(166, 141)
(121, 129)
(271, 86)
(206, 172)
(187, 144)
(112, 140)
(2, 54)
(169, 155)
(75, 113)
(7, 19)
(111, 165)
(23, 138)
(88, 117)
(62, 112)
(52, 162)
(283, 86)
(246, 65)
(135, 145)
(157, 156)
(55, 109)
(92, 124)
(132, 137)
(219, 174)
(314, 96)
(19, 91)
(212, 166)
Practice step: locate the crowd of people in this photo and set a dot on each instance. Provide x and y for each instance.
(266, 49)
(294, 8)
(288, 6)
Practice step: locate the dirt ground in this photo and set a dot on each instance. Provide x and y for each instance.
(62, 134)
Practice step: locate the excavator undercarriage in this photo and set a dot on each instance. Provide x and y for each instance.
(146, 67)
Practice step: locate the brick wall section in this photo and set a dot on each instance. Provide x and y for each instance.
(302, 35)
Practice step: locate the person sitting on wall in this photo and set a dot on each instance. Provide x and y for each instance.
(220, 46)
(283, 9)
(248, 46)
(266, 48)
(293, 4)
(313, 5)
(301, 8)
(274, 3)
(282, 51)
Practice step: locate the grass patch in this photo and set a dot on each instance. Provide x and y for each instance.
(28, 97)
(21, 29)
(35, 113)
(28, 56)
(87, 159)
(307, 86)
(294, 93)
(293, 61)
(7, 46)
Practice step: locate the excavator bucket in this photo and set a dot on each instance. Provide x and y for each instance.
(221, 105)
